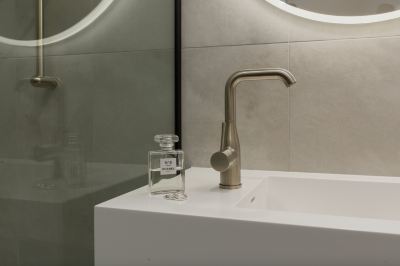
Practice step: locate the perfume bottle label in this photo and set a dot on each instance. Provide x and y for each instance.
(168, 166)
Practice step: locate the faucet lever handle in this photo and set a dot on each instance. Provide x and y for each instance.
(223, 160)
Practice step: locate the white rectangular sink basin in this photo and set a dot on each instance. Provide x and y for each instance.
(275, 219)
(362, 198)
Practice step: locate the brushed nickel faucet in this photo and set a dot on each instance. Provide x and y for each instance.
(227, 160)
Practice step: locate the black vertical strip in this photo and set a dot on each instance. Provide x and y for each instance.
(178, 71)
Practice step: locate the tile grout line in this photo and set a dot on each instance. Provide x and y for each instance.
(89, 54)
(284, 42)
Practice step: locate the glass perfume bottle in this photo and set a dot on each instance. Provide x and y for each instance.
(166, 169)
(74, 163)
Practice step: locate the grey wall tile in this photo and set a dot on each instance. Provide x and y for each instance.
(75, 97)
(34, 116)
(263, 120)
(127, 25)
(343, 116)
(200, 140)
(231, 22)
(116, 99)
(7, 19)
(38, 115)
(307, 30)
(345, 107)
(8, 100)
(301, 29)
(44, 116)
(235, 22)
(151, 26)
(62, 14)
(16, 19)
(13, 51)
(132, 103)
(107, 106)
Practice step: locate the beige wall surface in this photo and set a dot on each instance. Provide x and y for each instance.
(343, 115)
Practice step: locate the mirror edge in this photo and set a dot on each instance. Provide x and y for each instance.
(350, 20)
(78, 27)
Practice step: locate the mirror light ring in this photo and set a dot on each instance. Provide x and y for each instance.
(334, 19)
(81, 25)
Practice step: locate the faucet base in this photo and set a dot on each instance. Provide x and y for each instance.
(230, 186)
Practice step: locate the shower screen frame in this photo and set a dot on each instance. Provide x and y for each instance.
(178, 71)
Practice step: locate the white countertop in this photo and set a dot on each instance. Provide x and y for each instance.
(205, 199)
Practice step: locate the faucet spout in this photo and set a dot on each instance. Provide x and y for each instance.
(248, 75)
(227, 160)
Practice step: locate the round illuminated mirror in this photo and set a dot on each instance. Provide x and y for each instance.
(342, 11)
(19, 19)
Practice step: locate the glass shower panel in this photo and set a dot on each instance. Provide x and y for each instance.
(66, 148)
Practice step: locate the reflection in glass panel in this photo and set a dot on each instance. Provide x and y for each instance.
(18, 16)
(67, 147)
